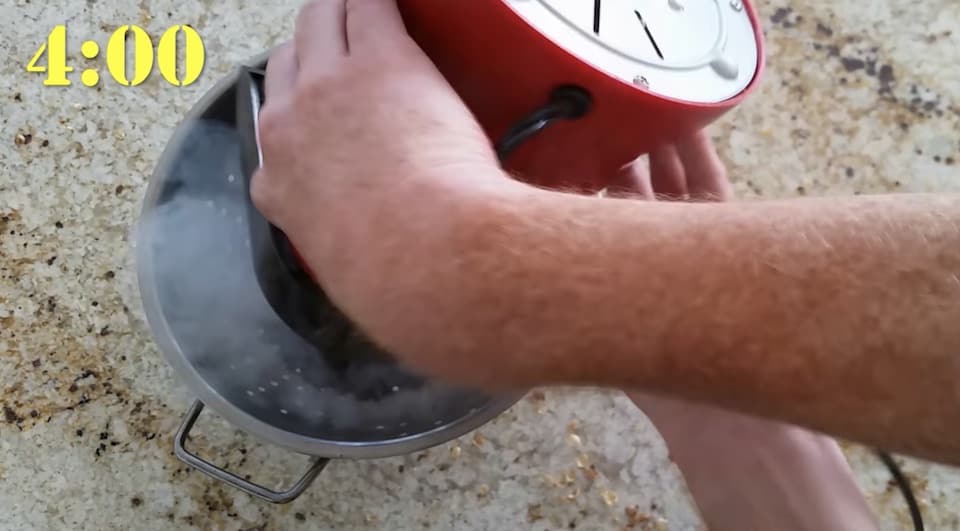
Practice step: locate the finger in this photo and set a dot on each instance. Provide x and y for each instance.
(260, 194)
(632, 180)
(706, 174)
(373, 25)
(667, 173)
(320, 34)
(281, 72)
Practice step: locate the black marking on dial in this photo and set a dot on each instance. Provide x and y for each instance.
(649, 34)
(596, 16)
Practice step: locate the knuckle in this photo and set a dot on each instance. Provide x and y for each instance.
(272, 125)
(316, 84)
(262, 193)
(310, 85)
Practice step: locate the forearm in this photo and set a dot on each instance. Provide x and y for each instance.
(838, 314)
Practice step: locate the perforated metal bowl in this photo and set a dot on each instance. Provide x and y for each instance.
(198, 278)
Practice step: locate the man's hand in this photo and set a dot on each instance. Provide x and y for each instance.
(358, 131)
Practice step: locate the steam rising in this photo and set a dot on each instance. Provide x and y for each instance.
(202, 267)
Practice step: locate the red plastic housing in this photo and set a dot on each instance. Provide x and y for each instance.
(503, 69)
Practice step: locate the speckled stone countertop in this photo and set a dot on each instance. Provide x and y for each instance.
(859, 97)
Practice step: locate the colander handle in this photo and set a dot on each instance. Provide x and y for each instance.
(272, 496)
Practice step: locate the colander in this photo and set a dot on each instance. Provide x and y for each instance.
(210, 302)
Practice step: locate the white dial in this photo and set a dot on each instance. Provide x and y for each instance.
(700, 51)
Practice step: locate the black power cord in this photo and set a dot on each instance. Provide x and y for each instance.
(566, 103)
(904, 485)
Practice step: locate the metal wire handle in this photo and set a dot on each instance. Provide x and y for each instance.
(254, 489)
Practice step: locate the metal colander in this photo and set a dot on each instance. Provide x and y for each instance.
(208, 301)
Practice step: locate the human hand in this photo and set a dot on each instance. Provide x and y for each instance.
(358, 128)
(743, 472)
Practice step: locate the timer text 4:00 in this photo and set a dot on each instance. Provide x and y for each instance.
(55, 49)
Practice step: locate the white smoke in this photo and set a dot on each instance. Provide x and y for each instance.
(205, 280)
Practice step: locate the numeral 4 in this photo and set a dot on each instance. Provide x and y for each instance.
(32, 66)
(56, 51)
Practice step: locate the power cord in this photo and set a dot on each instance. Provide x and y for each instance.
(566, 103)
(904, 485)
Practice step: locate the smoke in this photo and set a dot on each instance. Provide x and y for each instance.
(202, 267)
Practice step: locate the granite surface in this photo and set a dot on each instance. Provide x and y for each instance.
(859, 96)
